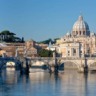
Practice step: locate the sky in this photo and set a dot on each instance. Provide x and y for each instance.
(43, 19)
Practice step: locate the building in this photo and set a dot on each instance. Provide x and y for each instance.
(9, 49)
(28, 49)
(80, 42)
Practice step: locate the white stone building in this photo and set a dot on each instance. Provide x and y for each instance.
(80, 42)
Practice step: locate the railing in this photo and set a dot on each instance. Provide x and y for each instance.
(62, 58)
(50, 58)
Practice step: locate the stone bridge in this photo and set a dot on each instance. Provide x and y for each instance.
(21, 64)
(78, 63)
(74, 62)
(9, 61)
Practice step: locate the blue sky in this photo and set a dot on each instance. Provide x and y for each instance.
(44, 19)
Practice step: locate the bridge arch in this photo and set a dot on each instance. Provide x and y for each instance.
(92, 65)
(70, 64)
(9, 62)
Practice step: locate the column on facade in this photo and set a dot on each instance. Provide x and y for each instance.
(79, 33)
(75, 33)
(77, 52)
(91, 47)
(83, 50)
(71, 52)
(66, 52)
(82, 33)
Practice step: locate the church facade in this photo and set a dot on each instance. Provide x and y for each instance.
(80, 42)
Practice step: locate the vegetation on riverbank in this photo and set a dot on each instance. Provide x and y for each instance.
(45, 53)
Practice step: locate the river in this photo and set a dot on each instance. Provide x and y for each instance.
(41, 83)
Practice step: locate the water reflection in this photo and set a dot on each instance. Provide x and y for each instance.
(86, 83)
(41, 83)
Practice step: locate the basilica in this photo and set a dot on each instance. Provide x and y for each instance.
(80, 42)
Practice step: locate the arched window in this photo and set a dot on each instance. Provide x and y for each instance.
(74, 52)
(68, 53)
(83, 32)
(80, 32)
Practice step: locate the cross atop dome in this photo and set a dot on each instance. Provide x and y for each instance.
(80, 18)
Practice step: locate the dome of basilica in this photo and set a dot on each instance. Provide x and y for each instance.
(80, 28)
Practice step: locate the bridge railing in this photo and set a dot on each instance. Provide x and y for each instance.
(49, 58)
(62, 58)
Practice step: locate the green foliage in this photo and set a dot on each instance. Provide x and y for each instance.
(49, 40)
(5, 32)
(45, 53)
(45, 41)
(22, 40)
(56, 39)
(8, 36)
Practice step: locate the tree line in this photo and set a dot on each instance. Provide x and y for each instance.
(48, 41)
(7, 36)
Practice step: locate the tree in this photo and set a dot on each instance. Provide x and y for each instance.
(45, 53)
(46, 41)
(8, 36)
(5, 34)
(22, 40)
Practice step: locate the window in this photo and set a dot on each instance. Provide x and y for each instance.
(88, 51)
(81, 52)
(80, 32)
(68, 53)
(74, 52)
(83, 32)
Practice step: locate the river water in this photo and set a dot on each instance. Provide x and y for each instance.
(41, 83)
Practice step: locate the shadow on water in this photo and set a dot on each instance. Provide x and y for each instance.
(9, 80)
(23, 78)
(86, 83)
(61, 67)
(56, 77)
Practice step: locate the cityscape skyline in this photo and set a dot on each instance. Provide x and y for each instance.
(44, 19)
